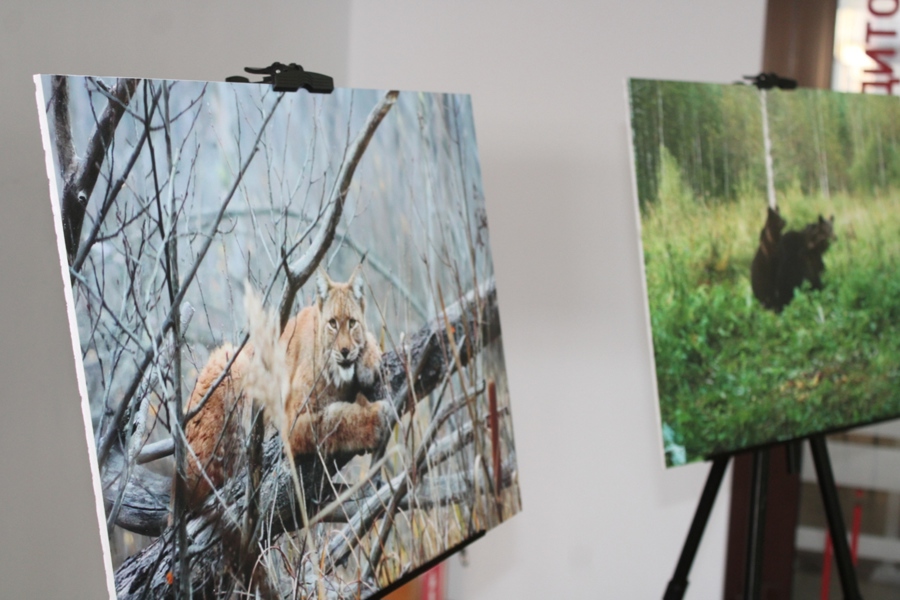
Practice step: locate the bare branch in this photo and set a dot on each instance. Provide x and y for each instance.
(155, 451)
(343, 543)
(474, 319)
(65, 149)
(385, 272)
(306, 265)
(121, 409)
(209, 531)
(431, 491)
(113, 193)
(78, 187)
(144, 503)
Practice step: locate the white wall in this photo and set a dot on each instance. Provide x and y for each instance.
(601, 518)
(49, 538)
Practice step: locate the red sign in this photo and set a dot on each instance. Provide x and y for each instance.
(433, 583)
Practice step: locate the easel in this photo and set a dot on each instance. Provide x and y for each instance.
(759, 492)
(679, 582)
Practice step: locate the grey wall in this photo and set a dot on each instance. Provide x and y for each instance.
(49, 537)
(601, 518)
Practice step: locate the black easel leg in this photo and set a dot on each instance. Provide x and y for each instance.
(679, 582)
(794, 453)
(835, 518)
(756, 533)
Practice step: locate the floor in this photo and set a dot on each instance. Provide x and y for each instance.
(876, 581)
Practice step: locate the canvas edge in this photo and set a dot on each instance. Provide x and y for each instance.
(645, 299)
(76, 347)
(484, 201)
(222, 81)
(73, 332)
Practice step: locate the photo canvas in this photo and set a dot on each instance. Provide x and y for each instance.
(770, 229)
(286, 332)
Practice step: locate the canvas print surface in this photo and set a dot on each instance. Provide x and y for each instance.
(285, 323)
(770, 224)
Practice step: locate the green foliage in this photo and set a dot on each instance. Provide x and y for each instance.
(733, 375)
(822, 142)
(713, 132)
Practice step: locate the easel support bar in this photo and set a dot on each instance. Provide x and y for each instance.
(756, 531)
(835, 518)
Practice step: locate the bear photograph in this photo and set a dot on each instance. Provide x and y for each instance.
(770, 230)
(286, 333)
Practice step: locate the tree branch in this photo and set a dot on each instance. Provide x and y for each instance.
(417, 467)
(82, 251)
(215, 527)
(385, 272)
(113, 429)
(65, 148)
(306, 265)
(144, 501)
(431, 491)
(79, 180)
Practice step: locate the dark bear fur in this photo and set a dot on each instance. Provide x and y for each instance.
(800, 258)
(784, 261)
(764, 267)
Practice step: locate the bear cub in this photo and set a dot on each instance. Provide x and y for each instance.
(764, 267)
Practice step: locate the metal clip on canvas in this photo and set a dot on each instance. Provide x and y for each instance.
(288, 78)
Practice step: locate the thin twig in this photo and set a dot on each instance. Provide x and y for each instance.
(299, 273)
(79, 185)
(114, 426)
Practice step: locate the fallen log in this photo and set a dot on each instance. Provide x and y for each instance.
(447, 342)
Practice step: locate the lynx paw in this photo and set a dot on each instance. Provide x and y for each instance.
(368, 368)
(385, 420)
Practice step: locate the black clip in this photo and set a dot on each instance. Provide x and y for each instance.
(288, 78)
(767, 81)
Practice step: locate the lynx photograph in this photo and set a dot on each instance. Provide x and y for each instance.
(286, 330)
(770, 225)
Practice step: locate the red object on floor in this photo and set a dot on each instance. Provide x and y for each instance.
(427, 586)
(433, 583)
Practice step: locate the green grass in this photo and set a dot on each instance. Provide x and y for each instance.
(733, 375)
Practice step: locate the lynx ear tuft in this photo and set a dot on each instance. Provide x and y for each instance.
(323, 286)
(356, 284)
(356, 287)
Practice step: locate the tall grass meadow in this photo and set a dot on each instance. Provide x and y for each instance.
(732, 375)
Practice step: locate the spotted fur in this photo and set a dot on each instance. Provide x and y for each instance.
(333, 362)
(334, 356)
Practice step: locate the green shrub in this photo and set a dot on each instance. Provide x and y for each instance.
(733, 375)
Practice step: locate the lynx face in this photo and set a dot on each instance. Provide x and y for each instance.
(342, 326)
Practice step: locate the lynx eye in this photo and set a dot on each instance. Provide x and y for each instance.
(352, 323)
(332, 323)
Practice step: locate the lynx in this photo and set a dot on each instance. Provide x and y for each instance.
(333, 362)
